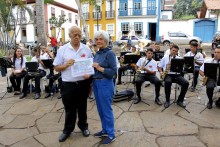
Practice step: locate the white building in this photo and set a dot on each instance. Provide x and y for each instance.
(27, 30)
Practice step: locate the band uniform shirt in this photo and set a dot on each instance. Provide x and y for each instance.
(18, 65)
(198, 57)
(167, 53)
(152, 65)
(208, 61)
(166, 60)
(66, 53)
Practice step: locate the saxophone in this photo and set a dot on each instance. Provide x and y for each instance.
(138, 71)
(166, 71)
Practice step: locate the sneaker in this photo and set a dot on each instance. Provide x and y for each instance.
(108, 140)
(100, 134)
(192, 89)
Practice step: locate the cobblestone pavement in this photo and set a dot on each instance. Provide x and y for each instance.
(35, 123)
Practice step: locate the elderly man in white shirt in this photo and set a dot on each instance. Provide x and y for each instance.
(41, 73)
(198, 61)
(75, 90)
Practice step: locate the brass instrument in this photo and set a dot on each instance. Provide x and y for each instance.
(166, 71)
(124, 47)
(138, 71)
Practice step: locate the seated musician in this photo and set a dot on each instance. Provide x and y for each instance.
(18, 71)
(167, 53)
(211, 81)
(164, 67)
(146, 71)
(157, 47)
(127, 66)
(41, 73)
(198, 61)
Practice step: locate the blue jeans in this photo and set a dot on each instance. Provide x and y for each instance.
(103, 91)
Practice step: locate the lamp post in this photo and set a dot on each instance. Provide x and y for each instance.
(97, 16)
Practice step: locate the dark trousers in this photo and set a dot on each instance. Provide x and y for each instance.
(27, 77)
(55, 50)
(16, 80)
(195, 76)
(169, 79)
(210, 86)
(74, 97)
(147, 77)
(121, 70)
(52, 79)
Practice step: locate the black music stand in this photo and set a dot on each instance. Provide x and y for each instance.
(176, 70)
(129, 59)
(123, 53)
(211, 70)
(48, 63)
(6, 63)
(158, 55)
(189, 64)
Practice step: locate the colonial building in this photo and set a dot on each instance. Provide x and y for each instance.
(26, 29)
(101, 17)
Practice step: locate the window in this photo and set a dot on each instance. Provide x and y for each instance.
(62, 13)
(70, 17)
(124, 26)
(35, 31)
(52, 12)
(22, 14)
(110, 29)
(137, 5)
(138, 26)
(173, 34)
(85, 8)
(76, 19)
(123, 6)
(23, 32)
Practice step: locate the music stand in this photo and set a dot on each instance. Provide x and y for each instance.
(189, 64)
(176, 70)
(143, 53)
(123, 53)
(128, 59)
(48, 63)
(6, 63)
(158, 55)
(211, 70)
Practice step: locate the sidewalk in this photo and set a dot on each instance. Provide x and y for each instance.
(34, 123)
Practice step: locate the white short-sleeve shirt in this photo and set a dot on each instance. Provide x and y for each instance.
(198, 57)
(167, 53)
(18, 65)
(66, 53)
(166, 60)
(152, 64)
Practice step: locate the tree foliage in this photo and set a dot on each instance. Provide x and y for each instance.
(184, 8)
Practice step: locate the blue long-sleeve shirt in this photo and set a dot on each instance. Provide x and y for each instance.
(106, 59)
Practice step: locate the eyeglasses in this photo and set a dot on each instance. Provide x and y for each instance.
(75, 35)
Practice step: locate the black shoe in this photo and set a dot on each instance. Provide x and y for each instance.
(157, 101)
(86, 133)
(37, 96)
(192, 89)
(209, 105)
(63, 137)
(166, 104)
(137, 100)
(119, 83)
(48, 95)
(23, 95)
(181, 104)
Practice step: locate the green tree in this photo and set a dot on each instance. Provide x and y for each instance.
(184, 8)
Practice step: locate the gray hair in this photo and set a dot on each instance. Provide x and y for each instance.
(74, 27)
(103, 33)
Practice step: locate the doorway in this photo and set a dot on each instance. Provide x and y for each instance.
(152, 31)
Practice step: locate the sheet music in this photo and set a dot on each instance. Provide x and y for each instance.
(82, 67)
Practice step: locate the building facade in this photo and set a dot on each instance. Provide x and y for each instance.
(101, 17)
(26, 29)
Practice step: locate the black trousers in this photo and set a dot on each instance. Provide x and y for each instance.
(195, 76)
(169, 79)
(121, 69)
(210, 86)
(16, 80)
(52, 79)
(74, 97)
(147, 77)
(27, 77)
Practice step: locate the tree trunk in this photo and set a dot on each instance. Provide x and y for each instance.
(40, 22)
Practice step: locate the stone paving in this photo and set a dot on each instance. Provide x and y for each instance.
(35, 123)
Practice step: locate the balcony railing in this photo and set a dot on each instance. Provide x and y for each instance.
(86, 16)
(97, 15)
(22, 20)
(110, 14)
(144, 11)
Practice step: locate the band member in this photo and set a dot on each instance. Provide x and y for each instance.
(127, 66)
(164, 67)
(198, 61)
(41, 73)
(147, 68)
(211, 81)
(167, 53)
(18, 72)
(105, 69)
(75, 90)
